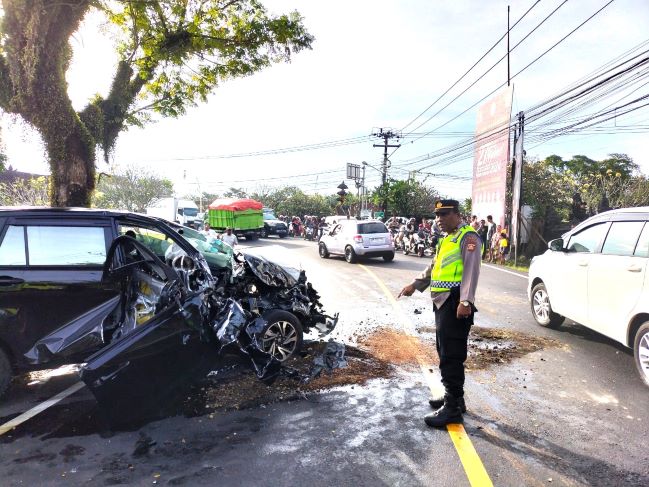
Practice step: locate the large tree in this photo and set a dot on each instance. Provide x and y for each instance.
(172, 53)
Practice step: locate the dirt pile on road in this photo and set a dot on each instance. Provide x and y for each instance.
(494, 346)
(238, 388)
(399, 348)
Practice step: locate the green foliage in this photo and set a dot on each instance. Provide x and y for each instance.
(28, 192)
(173, 53)
(292, 201)
(581, 186)
(405, 198)
(132, 189)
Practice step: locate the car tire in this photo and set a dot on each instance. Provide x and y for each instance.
(282, 235)
(263, 233)
(388, 257)
(282, 337)
(350, 255)
(322, 250)
(641, 352)
(542, 309)
(5, 372)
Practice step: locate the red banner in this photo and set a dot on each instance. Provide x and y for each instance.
(491, 157)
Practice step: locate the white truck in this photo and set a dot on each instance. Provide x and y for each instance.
(176, 210)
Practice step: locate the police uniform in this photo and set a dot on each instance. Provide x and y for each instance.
(452, 278)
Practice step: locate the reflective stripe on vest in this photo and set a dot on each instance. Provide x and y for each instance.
(448, 268)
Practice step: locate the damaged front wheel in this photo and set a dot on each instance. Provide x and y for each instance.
(283, 336)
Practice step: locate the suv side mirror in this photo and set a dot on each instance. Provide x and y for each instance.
(556, 244)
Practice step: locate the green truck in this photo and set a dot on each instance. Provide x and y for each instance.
(244, 216)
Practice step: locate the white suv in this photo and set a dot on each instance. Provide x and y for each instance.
(353, 238)
(596, 275)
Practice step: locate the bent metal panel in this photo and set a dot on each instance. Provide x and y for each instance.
(491, 156)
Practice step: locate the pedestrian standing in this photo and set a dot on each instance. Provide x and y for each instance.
(452, 278)
(483, 229)
(229, 238)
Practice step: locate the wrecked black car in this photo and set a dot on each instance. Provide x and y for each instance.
(151, 302)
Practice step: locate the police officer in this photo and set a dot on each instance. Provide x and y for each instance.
(452, 278)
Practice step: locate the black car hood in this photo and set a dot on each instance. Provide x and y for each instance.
(271, 273)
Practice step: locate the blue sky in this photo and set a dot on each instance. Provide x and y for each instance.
(373, 64)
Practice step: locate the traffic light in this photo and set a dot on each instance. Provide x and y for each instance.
(342, 193)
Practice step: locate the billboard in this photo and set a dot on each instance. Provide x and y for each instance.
(491, 157)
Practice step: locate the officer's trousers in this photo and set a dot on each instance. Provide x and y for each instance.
(452, 342)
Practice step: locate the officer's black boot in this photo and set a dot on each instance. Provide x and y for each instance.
(439, 402)
(450, 412)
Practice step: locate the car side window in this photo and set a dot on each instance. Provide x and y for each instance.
(642, 249)
(12, 248)
(154, 240)
(622, 238)
(587, 240)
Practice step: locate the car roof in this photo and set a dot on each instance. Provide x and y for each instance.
(47, 210)
(610, 215)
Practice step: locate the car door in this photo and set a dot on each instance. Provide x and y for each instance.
(615, 279)
(153, 350)
(50, 272)
(334, 240)
(568, 279)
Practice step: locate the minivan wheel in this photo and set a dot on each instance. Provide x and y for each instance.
(350, 255)
(282, 337)
(5, 372)
(263, 233)
(322, 250)
(641, 352)
(542, 309)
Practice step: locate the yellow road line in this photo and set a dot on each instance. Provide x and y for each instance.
(9, 425)
(473, 467)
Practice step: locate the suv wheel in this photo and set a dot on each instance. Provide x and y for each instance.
(283, 336)
(641, 352)
(322, 250)
(350, 255)
(5, 372)
(542, 309)
(263, 233)
(388, 257)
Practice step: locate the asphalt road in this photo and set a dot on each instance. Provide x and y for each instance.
(571, 413)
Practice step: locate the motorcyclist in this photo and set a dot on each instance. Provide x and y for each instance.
(411, 229)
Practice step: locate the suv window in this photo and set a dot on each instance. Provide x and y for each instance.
(154, 240)
(642, 249)
(12, 249)
(588, 239)
(373, 227)
(622, 238)
(55, 245)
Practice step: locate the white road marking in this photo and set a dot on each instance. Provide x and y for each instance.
(9, 425)
(503, 270)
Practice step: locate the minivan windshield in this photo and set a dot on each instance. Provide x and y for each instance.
(269, 216)
(373, 227)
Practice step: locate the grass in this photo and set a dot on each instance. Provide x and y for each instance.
(523, 264)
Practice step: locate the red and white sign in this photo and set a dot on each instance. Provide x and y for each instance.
(491, 157)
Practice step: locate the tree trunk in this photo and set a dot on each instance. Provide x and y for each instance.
(71, 158)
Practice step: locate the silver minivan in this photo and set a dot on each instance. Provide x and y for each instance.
(357, 238)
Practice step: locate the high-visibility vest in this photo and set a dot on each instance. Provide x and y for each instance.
(448, 268)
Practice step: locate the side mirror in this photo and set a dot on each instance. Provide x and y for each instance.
(556, 244)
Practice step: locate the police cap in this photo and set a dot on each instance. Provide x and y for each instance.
(447, 205)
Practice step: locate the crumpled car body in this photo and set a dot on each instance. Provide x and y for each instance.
(167, 318)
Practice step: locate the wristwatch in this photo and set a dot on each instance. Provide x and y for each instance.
(466, 303)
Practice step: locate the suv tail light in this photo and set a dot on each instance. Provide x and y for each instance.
(358, 238)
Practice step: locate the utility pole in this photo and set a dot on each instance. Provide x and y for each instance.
(508, 72)
(517, 183)
(386, 135)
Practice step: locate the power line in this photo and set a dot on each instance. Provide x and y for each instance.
(471, 68)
